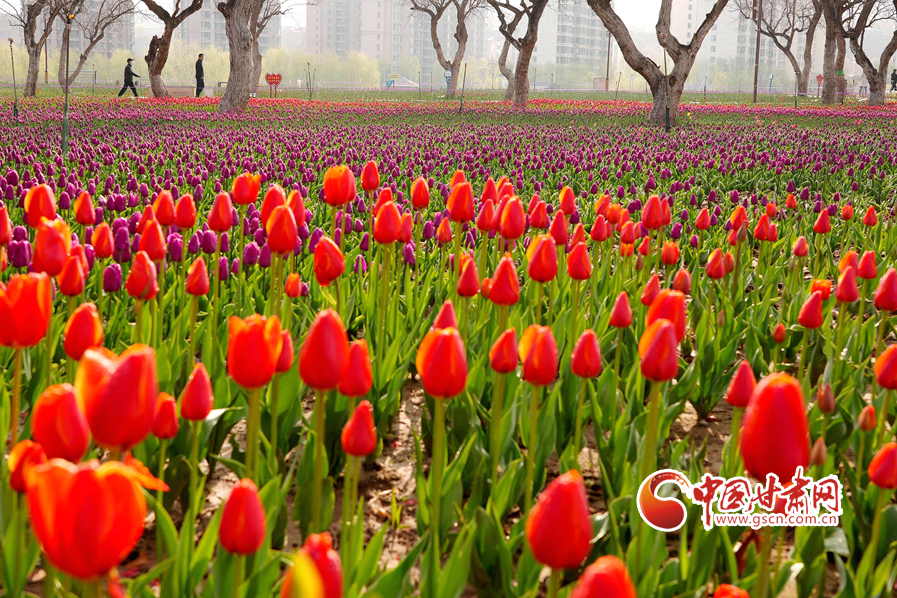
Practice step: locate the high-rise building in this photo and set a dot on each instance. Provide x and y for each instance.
(572, 35)
(118, 36)
(205, 28)
(334, 26)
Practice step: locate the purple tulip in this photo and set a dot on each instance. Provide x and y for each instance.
(112, 278)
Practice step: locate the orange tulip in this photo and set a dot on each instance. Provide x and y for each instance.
(669, 255)
(505, 289)
(83, 208)
(850, 259)
(185, 213)
(293, 286)
(442, 363)
(71, 278)
(118, 394)
(716, 268)
(152, 241)
(539, 354)
(197, 282)
(775, 437)
(83, 331)
(164, 208)
(886, 293)
(823, 286)
(329, 262)
(221, 216)
(88, 518)
(567, 201)
(607, 576)
(339, 185)
(25, 309)
(579, 266)
(867, 267)
(282, 232)
(274, 197)
(24, 456)
(253, 348)
(542, 259)
(682, 281)
(357, 378)
(243, 525)
(659, 351)
(513, 220)
(457, 178)
(586, 359)
(142, 283)
(197, 399)
(52, 245)
(297, 204)
(325, 352)
(538, 217)
(652, 216)
(650, 290)
(621, 314)
(388, 224)
(246, 188)
(669, 305)
(810, 315)
(420, 194)
(460, 203)
(742, 385)
(102, 241)
(559, 528)
(791, 202)
(503, 354)
(883, 467)
(58, 424)
(40, 202)
(870, 219)
(165, 419)
(359, 436)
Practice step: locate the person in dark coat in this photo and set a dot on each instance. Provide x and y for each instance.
(200, 76)
(894, 80)
(129, 80)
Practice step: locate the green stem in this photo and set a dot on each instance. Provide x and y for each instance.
(804, 356)
(239, 565)
(274, 392)
(348, 511)
(765, 550)
(498, 398)
(194, 311)
(94, 589)
(531, 449)
(882, 421)
(734, 439)
(574, 319)
(457, 264)
(538, 304)
(318, 487)
(50, 579)
(163, 447)
(871, 552)
(16, 399)
(436, 468)
(138, 320)
(577, 425)
(253, 425)
(554, 582)
(384, 293)
(649, 460)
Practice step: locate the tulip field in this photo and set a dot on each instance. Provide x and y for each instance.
(379, 350)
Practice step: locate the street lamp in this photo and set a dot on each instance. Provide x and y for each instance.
(15, 104)
(65, 110)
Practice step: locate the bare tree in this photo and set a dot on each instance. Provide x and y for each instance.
(784, 22)
(159, 47)
(237, 19)
(260, 18)
(509, 16)
(664, 88)
(851, 19)
(27, 16)
(506, 72)
(93, 19)
(436, 9)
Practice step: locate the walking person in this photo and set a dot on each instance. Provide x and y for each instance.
(200, 76)
(894, 80)
(129, 80)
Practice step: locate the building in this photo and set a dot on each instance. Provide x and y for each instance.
(334, 26)
(120, 35)
(205, 28)
(572, 39)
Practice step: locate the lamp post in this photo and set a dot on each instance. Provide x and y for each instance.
(666, 82)
(65, 109)
(15, 103)
(758, 15)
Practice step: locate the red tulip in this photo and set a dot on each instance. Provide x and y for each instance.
(5, 227)
(52, 244)
(729, 591)
(738, 217)
(420, 194)
(253, 349)
(468, 283)
(282, 231)
(801, 248)
(847, 290)
(142, 284)
(359, 436)
(716, 267)
(505, 289)
(883, 467)
(586, 359)
(850, 259)
(274, 198)
(702, 222)
(621, 314)
(164, 208)
(867, 268)
(669, 255)
(445, 317)
(886, 293)
(102, 241)
(486, 216)
(285, 361)
(293, 286)
(460, 203)
(791, 202)
(778, 334)
(388, 224)
(866, 420)
(221, 216)
(71, 278)
(742, 385)
(542, 259)
(442, 363)
(197, 283)
(682, 281)
(567, 201)
(297, 205)
(40, 202)
(558, 229)
(669, 305)
(513, 220)
(503, 354)
(606, 577)
(326, 560)
(88, 518)
(659, 351)
(823, 286)
(246, 188)
(83, 208)
(538, 218)
(650, 290)
(23, 457)
(58, 424)
(243, 525)
(152, 241)
(370, 177)
(559, 528)
(810, 315)
(26, 305)
(539, 354)
(118, 394)
(444, 232)
(406, 233)
(329, 262)
(599, 232)
(185, 213)
(165, 419)
(323, 357)
(197, 398)
(357, 379)
(579, 267)
(823, 223)
(83, 331)
(886, 368)
(870, 219)
(775, 436)
(490, 191)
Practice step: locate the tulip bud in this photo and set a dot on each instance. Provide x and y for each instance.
(558, 528)
(825, 400)
(867, 421)
(819, 452)
(242, 529)
(165, 420)
(883, 467)
(607, 576)
(359, 436)
(778, 334)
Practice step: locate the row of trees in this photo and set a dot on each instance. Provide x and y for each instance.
(789, 24)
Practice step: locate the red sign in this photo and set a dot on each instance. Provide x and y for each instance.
(273, 80)
(819, 79)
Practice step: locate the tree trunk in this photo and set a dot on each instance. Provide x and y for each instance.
(876, 90)
(839, 68)
(239, 81)
(256, 64)
(676, 86)
(507, 73)
(521, 74)
(829, 85)
(64, 49)
(155, 58)
(804, 79)
(33, 71)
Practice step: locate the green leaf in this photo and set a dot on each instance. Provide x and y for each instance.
(390, 584)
